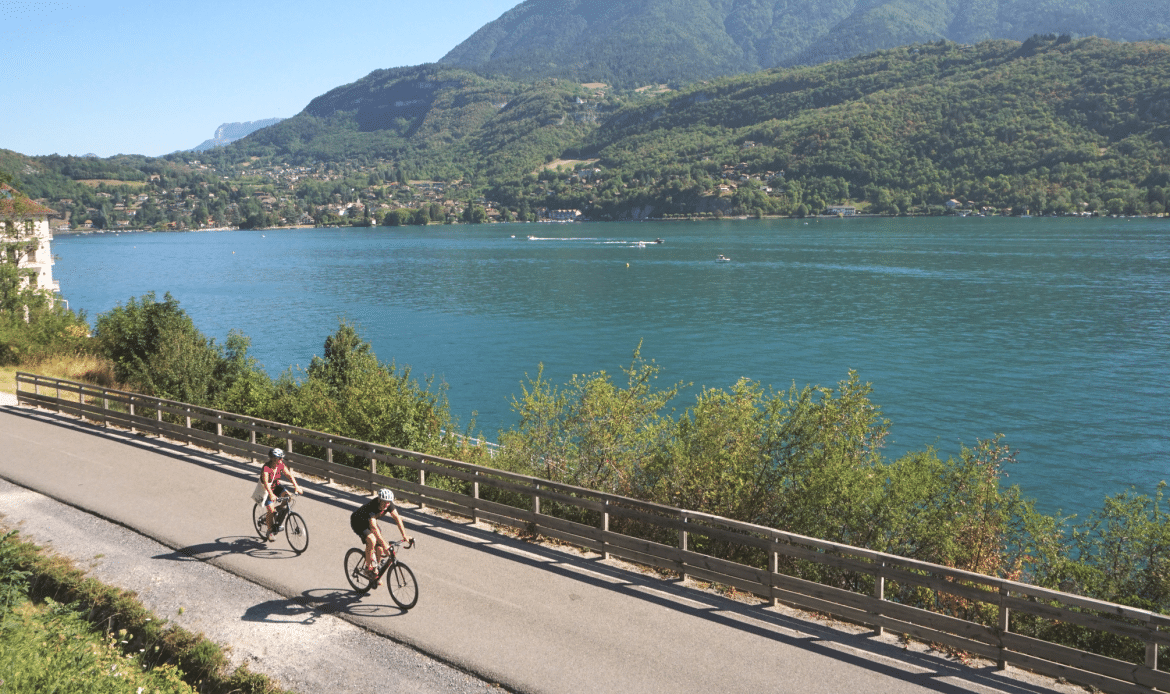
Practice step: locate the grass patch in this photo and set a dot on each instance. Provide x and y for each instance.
(567, 163)
(50, 648)
(51, 612)
(86, 368)
(98, 182)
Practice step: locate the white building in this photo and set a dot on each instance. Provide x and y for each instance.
(26, 237)
(563, 215)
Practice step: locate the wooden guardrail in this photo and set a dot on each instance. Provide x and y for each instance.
(671, 538)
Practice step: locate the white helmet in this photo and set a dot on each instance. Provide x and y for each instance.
(386, 495)
(276, 453)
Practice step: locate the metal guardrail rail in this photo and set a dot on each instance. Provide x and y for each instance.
(251, 437)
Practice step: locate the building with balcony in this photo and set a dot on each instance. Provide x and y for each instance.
(25, 237)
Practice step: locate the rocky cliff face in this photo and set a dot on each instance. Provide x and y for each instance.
(230, 132)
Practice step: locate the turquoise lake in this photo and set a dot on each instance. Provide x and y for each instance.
(1054, 332)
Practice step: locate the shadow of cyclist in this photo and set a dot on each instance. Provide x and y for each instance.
(224, 546)
(346, 601)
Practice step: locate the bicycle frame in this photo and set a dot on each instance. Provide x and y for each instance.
(389, 560)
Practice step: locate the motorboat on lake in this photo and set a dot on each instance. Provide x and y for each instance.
(722, 259)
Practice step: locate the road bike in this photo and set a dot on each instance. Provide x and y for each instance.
(399, 578)
(284, 518)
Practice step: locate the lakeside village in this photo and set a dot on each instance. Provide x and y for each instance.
(327, 195)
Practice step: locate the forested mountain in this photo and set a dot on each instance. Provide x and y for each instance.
(434, 122)
(1050, 125)
(680, 41)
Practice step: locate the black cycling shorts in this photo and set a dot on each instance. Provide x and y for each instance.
(278, 490)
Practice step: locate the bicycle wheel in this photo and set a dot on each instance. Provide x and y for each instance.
(355, 570)
(260, 520)
(403, 587)
(297, 532)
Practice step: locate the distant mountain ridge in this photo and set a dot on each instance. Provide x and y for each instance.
(643, 41)
(230, 132)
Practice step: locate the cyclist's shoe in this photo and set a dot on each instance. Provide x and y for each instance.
(278, 528)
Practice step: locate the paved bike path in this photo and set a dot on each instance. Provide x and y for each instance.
(533, 619)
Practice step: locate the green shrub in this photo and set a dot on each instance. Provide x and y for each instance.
(156, 349)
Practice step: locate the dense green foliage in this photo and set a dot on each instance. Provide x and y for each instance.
(51, 329)
(810, 461)
(683, 41)
(157, 350)
(350, 392)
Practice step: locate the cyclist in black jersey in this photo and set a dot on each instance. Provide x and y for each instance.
(364, 523)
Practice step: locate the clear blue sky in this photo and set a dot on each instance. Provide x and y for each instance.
(137, 77)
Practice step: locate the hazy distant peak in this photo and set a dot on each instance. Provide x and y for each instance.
(230, 132)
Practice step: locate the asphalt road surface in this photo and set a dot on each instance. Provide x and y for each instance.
(524, 616)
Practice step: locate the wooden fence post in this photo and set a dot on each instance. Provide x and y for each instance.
(475, 499)
(879, 592)
(535, 509)
(1152, 652)
(218, 432)
(422, 482)
(329, 455)
(188, 432)
(105, 406)
(252, 440)
(604, 529)
(133, 429)
(774, 568)
(1004, 627)
(683, 538)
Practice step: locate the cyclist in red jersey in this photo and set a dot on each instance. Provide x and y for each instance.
(270, 478)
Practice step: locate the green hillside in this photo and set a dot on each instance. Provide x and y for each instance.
(1052, 125)
(681, 41)
(433, 122)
